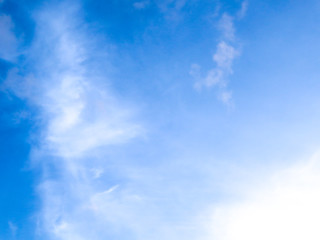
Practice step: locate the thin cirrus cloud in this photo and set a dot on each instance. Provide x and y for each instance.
(243, 10)
(79, 114)
(223, 59)
(82, 201)
(8, 40)
(13, 228)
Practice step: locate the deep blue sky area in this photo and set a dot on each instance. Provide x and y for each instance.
(17, 179)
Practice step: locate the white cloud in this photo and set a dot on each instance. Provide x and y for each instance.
(226, 26)
(79, 115)
(217, 76)
(223, 59)
(286, 206)
(8, 40)
(224, 56)
(83, 118)
(214, 77)
(81, 198)
(243, 10)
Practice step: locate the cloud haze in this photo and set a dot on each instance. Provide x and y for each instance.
(284, 206)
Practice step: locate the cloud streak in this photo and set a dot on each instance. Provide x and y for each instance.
(79, 116)
(87, 191)
(223, 58)
(13, 228)
(243, 10)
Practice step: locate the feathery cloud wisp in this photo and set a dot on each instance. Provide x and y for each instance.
(223, 58)
(243, 10)
(79, 114)
(8, 40)
(226, 27)
(13, 228)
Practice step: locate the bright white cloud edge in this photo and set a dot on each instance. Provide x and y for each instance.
(285, 206)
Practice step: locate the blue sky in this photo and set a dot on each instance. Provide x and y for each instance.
(171, 119)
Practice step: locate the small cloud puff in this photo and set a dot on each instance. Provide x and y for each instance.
(224, 56)
(227, 27)
(223, 59)
(226, 97)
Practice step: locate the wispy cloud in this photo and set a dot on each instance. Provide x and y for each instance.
(172, 9)
(79, 115)
(8, 40)
(226, 26)
(83, 193)
(82, 115)
(223, 58)
(13, 228)
(243, 10)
